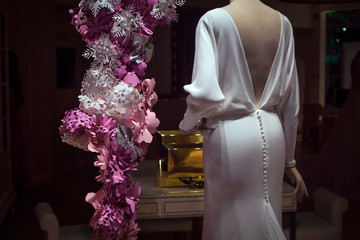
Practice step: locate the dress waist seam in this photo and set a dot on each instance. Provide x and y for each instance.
(236, 114)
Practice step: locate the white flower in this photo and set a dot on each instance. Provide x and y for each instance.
(103, 51)
(166, 9)
(127, 23)
(96, 5)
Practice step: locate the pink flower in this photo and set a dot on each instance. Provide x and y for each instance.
(132, 196)
(142, 131)
(120, 71)
(140, 69)
(95, 199)
(151, 121)
(76, 122)
(102, 159)
(131, 78)
(125, 59)
(150, 97)
(96, 26)
(104, 126)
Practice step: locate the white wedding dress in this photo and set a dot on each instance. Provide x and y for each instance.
(244, 157)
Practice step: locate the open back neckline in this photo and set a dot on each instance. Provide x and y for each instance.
(246, 63)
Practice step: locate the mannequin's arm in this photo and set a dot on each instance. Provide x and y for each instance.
(295, 177)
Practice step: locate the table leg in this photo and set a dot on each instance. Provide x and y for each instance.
(292, 225)
(197, 226)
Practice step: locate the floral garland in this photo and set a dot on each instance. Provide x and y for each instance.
(115, 118)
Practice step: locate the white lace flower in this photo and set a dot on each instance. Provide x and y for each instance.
(99, 78)
(166, 9)
(103, 51)
(127, 23)
(96, 5)
(102, 93)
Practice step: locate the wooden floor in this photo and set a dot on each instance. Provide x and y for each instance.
(67, 194)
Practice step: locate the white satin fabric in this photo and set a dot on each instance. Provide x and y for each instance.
(244, 157)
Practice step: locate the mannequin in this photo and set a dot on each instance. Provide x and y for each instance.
(241, 11)
(245, 89)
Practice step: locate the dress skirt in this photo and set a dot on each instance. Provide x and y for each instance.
(236, 182)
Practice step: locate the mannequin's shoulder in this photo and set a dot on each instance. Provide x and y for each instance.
(286, 22)
(287, 30)
(213, 15)
(213, 18)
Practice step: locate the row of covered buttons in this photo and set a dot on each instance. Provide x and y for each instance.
(266, 195)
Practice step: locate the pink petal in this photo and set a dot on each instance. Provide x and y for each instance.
(140, 69)
(151, 121)
(136, 126)
(131, 203)
(92, 147)
(144, 136)
(131, 78)
(152, 99)
(148, 86)
(137, 190)
(121, 71)
(100, 164)
(90, 197)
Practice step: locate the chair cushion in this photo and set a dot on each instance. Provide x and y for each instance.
(309, 226)
(330, 206)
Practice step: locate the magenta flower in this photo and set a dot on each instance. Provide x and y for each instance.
(76, 122)
(104, 126)
(95, 199)
(132, 196)
(140, 69)
(132, 79)
(96, 26)
(120, 71)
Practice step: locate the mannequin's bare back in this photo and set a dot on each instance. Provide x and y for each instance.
(259, 27)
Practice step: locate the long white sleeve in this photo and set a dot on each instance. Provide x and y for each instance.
(204, 91)
(288, 107)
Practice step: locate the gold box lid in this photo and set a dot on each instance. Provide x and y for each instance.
(175, 139)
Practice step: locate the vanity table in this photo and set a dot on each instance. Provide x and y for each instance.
(174, 208)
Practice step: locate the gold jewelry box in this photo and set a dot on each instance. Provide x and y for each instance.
(182, 165)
